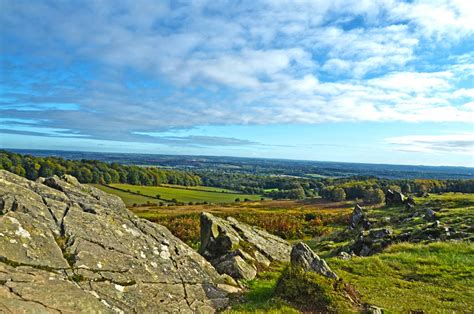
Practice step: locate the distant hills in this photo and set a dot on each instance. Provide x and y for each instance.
(299, 168)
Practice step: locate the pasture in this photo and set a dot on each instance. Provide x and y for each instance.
(129, 199)
(185, 195)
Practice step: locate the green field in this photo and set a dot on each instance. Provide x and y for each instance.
(128, 198)
(185, 195)
(201, 188)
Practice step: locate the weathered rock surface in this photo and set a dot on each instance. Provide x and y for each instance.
(236, 249)
(70, 247)
(302, 256)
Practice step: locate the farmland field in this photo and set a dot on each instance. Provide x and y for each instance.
(201, 188)
(184, 195)
(128, 198)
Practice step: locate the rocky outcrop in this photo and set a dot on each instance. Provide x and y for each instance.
(70, 247)
(372, 241)
(237, 249)
(302, 256)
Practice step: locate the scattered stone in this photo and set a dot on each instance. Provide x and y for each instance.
(394, 198)
(344, 255)
(74, 242)
(372, 309)
(372, 241)
(302, 256)
(430, 215)
(236, 267)
(235, 248)
(358, 218)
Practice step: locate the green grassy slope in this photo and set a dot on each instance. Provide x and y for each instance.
(128, 198)
(434, 278)
(201, 188)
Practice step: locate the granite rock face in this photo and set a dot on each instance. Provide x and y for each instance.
(67, 247)
(237, 249)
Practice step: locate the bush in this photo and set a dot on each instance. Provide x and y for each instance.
(338, 195)
(374, 196)
(315, 293)
(185, 227)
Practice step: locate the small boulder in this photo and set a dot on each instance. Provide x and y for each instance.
(358, 218)
(344, 255)
(302, 256)
(394, 198)
(236, 267)
(430, 215)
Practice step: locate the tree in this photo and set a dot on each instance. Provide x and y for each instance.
(338, 194)
(406, 188)
(374, 196)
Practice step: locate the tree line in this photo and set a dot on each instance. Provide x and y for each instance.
(93, 171)
(367, 188)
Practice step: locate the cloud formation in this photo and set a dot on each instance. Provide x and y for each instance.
(116, 70)
(449, 143)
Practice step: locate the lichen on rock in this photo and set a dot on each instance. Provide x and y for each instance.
(65, 246)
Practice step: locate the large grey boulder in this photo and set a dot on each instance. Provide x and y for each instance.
(228, 244)
(302, 256)
(73, 248)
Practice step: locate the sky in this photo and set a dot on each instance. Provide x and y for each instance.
(380, 81)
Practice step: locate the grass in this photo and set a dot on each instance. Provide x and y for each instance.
(436, 277)
(202, 188)
(128, 198)
(185, 195)
(260, 296)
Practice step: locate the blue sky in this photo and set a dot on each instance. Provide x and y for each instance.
(359, 81)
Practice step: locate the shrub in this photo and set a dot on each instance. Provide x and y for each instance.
(338, 194)
(315, 293)
(185, 227)
(374, 196)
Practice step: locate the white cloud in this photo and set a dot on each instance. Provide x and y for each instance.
(449, 143)
(251, 62)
